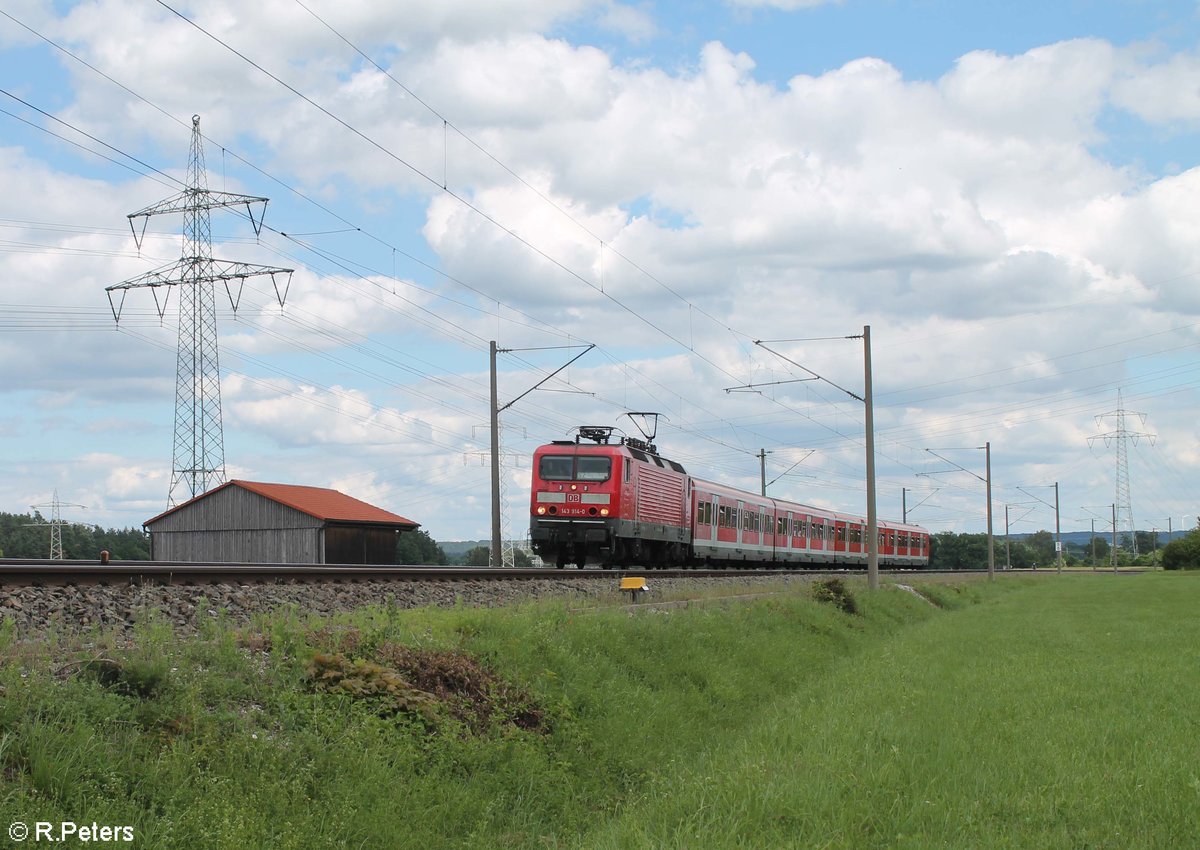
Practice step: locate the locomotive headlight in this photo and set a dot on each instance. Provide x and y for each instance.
(541, 509)
(574, 486)
(604, 512)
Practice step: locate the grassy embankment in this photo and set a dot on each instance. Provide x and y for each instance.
(1034, 713)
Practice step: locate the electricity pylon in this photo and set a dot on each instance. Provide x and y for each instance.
(198, 455)
(56, 523)
(1120, 437)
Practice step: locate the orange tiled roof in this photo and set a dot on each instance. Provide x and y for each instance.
(320, 502)
(323, 503)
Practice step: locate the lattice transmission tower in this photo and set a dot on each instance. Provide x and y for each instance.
(1120, 437)
(56, 523)
(198, 454)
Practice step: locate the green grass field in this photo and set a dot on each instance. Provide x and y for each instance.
(1060, 715)
(1038, 713)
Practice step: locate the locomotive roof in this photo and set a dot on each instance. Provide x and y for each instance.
(620, 448)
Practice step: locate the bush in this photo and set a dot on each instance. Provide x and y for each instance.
(1182, 554)
(833, 591)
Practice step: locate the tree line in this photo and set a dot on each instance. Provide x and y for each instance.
(28, 536)
(950, 551)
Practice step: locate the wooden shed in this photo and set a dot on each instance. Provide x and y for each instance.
(248, 522)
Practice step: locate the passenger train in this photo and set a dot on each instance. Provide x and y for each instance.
(616, 502)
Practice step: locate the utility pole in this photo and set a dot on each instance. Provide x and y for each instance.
(866, 399)
(1120, 437)
(198, 454)
(497, 554)
(762, 466)
(987, 448)
(872, 518)
(904, 505)
(494, 422)
(1114, 538)
(1058, 548)
(1057, 530)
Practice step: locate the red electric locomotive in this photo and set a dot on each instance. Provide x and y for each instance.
(608, 502)
(622, 503)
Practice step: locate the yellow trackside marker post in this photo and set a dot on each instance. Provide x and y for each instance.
(633, 585)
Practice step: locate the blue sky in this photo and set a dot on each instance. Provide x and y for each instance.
(1004, 192)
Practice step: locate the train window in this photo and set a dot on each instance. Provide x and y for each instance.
(593, 468)
(704, 513)
(574, 468)
(781, 525)
(556, 467)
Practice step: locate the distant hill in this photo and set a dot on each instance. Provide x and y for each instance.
(458, 548)
(1082, 538)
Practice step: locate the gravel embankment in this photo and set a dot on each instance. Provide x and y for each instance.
(37, 611)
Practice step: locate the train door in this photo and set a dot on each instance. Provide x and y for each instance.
(704, 523)
(799, 536)
(741, 523)
(887, 543)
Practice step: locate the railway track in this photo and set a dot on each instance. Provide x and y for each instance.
(26, 572)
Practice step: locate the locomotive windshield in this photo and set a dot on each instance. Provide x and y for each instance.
(574, 468)
(593, 468)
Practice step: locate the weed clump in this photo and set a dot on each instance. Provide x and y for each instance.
(833, 591)
(362, 679)
(131, 677)
(469, 691)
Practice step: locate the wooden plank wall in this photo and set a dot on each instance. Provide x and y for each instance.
(234, 525)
